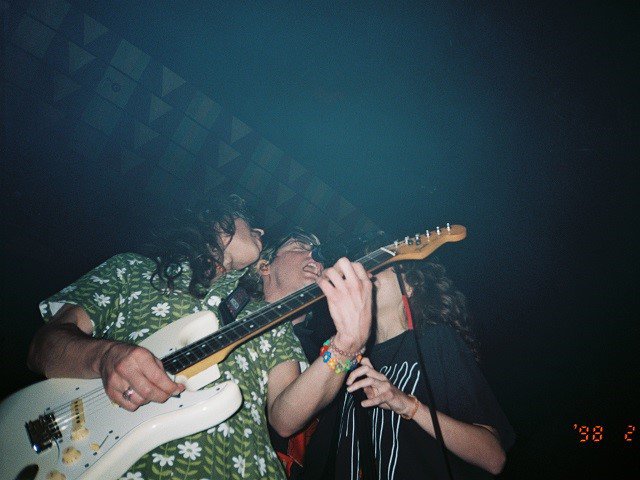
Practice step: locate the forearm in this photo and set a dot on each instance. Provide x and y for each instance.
(296, 404)
(474, 444)
(64, 350)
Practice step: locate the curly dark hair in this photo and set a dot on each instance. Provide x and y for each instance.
(435, 300)
(194, 237)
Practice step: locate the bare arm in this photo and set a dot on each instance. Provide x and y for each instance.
(294, 398)
(475, 444)
(64, 347)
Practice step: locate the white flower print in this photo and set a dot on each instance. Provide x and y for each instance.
(214, 301)
(278, 332)
(223, 428)
(161, 309)
(146, 275)
(163, 460)
(101, 300)
(247, 432)
(120, 299)
(255, 397)
(262, 465)
(239, 463)
(270, 452)
(229, 376)
(252, 354)
(138, 333)
(120, 273)
(68, 289)
(134, 261)
(43, 308)
(189, 450)
(242, 363)
(255, 414)
(120, 320)
(196, 309)
(99, 280)
(262, 381)
(265, 346)
(134, 296)
(133, 476)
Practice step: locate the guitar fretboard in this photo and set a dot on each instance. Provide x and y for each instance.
(268, 316)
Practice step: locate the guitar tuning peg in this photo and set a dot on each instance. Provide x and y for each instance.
(448, 227)
(418, 242)
(428, 234)
(437, 230)
(406, 240)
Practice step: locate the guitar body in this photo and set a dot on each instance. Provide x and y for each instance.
(97, 438)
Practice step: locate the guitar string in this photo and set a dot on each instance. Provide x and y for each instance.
(271, 308)
(93, 401)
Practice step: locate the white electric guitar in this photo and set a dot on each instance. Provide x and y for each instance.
(69, 429)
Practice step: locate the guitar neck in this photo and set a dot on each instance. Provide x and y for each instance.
(216, 347)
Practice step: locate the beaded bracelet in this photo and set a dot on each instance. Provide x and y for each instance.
(339, 366)
(332, 344)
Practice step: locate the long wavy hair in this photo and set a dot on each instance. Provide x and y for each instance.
(193, 237)
(436, 301)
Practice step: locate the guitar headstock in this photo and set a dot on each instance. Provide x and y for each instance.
(420, 246)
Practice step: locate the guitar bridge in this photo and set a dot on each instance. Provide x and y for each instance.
(43, 432)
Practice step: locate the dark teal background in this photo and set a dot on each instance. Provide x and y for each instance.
(518, 120)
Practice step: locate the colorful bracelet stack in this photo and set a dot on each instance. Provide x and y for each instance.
(328, 353)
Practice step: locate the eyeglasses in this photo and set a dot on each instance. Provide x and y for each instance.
(298, 245)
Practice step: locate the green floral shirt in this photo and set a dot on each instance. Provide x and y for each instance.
(122, 303)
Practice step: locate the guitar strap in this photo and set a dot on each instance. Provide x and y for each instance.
(233, 304)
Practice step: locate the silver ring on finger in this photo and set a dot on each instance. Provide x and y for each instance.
(127, 394)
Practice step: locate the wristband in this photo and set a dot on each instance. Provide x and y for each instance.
(416, 402)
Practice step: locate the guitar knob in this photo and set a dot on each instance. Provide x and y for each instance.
(79, 434)
(56, 475)
(70, 456)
